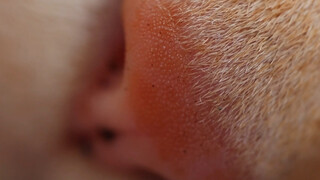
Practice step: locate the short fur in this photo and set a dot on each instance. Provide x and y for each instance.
(261, 61)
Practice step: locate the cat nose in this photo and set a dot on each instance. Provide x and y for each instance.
(104, 124)
(150, 117)
(144, 116)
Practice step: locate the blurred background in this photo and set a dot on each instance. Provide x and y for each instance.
(48, 50)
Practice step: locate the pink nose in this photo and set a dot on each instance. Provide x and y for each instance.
(152, 117)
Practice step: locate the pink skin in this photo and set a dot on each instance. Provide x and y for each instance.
(153, 109)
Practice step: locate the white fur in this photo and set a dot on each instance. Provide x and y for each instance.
(260, 60)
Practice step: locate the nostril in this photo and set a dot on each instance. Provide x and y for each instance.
(114, 66)
(116, 63)
(108, 46)
(106, 134)
(111, 75)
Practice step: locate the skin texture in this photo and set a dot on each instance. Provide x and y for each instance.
(208, 89)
